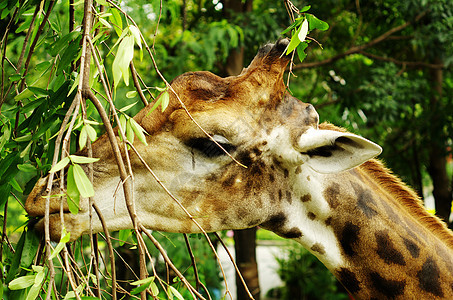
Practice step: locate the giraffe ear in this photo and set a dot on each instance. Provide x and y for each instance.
(331, 151)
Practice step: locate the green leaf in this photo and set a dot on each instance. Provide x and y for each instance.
(294, 42)
(91, 132)
(154, 289)
(25, 94)
(22, 282)
(102, 2)
(24, 138)
(15, 185)
(136, 34)
(139, 289)
(64, 239)
(60, 165)
(15, 77)
(305, 8)
(30, 248)
(4, 138)
(124, 55)
(175, 292)
(301, 51)
(303, 31)
(156, 104)
(105, 23)
(84, 185)
(123, 122)
(83, 138)
(14, 267)
(131, 94)
(129, 131)
(116, 21)
(72, 192)
(143, 281)
(123, 236)
(34, 291)
(91, 122)
(292, 26)
(27, 168)
(165, 100)
(316, 23)
(143, 284)
(82, 159)
(139, 131)
(128, 106)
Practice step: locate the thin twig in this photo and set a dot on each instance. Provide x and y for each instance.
(137, 84)
(195, 270)
(109, 246)
(191, 289)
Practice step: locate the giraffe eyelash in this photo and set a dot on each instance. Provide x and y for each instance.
(209, 148)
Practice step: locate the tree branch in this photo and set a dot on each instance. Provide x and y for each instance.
(414, 64)
(358, 49)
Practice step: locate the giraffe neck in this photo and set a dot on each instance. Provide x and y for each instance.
(374, 243)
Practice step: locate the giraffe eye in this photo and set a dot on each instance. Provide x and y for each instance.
(209, 148)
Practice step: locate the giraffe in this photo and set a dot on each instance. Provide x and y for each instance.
(313, 183)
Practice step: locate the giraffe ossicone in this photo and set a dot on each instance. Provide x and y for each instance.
(306, 181)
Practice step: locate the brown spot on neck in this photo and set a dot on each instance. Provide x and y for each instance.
(331, 194)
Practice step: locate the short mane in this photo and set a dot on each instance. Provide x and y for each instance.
(408, 198)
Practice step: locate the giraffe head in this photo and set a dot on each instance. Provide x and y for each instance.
(251, 116)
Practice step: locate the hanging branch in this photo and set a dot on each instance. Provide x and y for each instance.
(194, 265)
(360, 48)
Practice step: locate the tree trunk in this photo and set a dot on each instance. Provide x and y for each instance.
(245, 247)
(437, 167)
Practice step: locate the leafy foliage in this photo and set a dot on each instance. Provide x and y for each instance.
(303, 275)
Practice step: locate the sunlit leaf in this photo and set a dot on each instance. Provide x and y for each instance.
(22, 282)
(72, 192)
(154, 289)
(34, 291)
(83, 138)
(84, 185)
(117, 22)
(60, 165)
(82, 159)
(294, 42)
(122, 60)
(138, 130)
(64, 239)
(303, 31)
(143, 281)
(131, 94)
(127, 107)
(129, 131)
(175, 292)
(105, 23)
(136, 33)
(92, 135)
(123, 122)
(165, 100)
